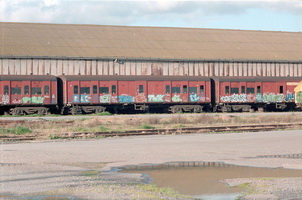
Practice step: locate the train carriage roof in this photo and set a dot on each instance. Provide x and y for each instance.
(27, 78)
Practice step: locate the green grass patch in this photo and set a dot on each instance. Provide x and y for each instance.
(162, 191)
(90, 173)
(18, 130)
(146, 126)
(55, 137)
(104, 113)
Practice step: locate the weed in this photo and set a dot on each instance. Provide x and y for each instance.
(103, 113)
(162, 191)
(18, 130)
(103, 128)
(56, 137)
(146, 126)
(90, 173)
(81, 129)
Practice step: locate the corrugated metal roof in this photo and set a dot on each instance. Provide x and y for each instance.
(256, 79)
(131, 78)
(98, 41)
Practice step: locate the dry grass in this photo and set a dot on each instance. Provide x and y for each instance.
(46, 128)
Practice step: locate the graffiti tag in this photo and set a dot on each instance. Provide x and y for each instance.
(125, 99)
(156, 98)
(81, 98)
(194, 97)
(234, 98)
(176, 98)
(105, 98)
(38, 100)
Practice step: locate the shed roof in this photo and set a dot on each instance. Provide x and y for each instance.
(131, 78)
(102, 41)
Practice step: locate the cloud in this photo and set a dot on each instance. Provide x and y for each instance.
(145, 13)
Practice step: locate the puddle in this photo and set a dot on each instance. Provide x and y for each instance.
(203, 181)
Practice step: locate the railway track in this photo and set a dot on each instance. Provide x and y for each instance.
(171, 131)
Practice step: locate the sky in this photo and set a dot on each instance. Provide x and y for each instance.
(267, 15)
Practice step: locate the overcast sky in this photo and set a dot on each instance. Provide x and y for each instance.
(274, 15)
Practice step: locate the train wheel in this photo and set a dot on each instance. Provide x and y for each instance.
(197, 109)
(43, 111)
(16, 111)
(176, 110)
(99, 110)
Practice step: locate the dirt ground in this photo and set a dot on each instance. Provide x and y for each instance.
(79, 169)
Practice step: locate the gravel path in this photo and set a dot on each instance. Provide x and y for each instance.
(80, 168)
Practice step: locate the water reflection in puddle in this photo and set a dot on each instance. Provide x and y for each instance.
(204, 181)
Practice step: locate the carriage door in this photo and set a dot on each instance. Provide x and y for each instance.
(15, 91)
(175, 90)
(113, 91)
(141, 91)
(85, 92)
(36, 92)
(185, 90)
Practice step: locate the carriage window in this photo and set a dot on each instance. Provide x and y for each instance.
(227, 89)
(175, 89)
(85, 90)
(26, 89)
(46, 89)
(243, 89)
(141, 89)
(167, 88)
(104, 90)
(234, 90)
(185, 89)
(201, 89)
(15, 90)
(192, 89)
(36, 90)
(250, 90)
(76, 89)
(113, 89)
(6, 90)
(258, 89)
(281, 89)
(95, 89)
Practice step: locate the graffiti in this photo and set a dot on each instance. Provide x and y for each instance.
(17, 101)
(105, 98)
(258, 97)
(234, 98)
(289, 97)
(176, 98)
(140, 98)
(81, 98)
(125, 99)
(114, 99)
(299, 97)
(156, 98)
(273, 97)
(4, 99)
(38, 100)
(194, 97)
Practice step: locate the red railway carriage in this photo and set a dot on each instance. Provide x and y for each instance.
(86, 94)
(255, 93)
(20, 94)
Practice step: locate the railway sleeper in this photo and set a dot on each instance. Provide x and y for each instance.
(186, 108)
